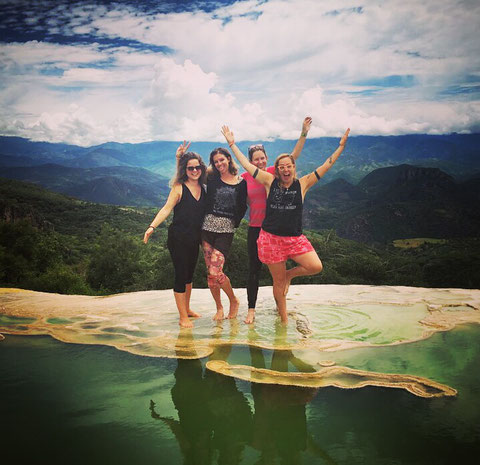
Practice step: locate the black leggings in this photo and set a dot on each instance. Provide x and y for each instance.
(184, 255)
(254, 266)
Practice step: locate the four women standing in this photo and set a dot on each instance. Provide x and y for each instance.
(275, 232)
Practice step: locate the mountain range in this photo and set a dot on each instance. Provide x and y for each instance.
(389, 203)
(117, 185)
(402, 201)
(381, 189)
(456, 154)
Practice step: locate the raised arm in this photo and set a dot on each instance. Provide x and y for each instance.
(173, 198)
(261, 176)
(182, 149)
(310, 179)
(307, 122)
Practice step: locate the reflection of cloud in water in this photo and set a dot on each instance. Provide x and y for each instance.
(324, 318)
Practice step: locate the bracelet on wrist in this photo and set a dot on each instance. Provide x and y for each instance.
(304, 134)
(231, 144)
(153, 227)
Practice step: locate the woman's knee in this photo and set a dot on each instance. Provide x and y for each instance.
(317, 267)
(215, 277)
(179, 281)
(179, 288)
(313, 265)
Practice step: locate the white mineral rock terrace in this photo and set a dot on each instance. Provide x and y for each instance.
(323, 319)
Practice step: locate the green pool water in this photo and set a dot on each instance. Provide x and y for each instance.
(73, 403)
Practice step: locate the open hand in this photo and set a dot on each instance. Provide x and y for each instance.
(182, 149)
(344, 138)
(307, 122)
(228, 135)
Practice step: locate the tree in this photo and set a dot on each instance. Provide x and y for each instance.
(115, 265)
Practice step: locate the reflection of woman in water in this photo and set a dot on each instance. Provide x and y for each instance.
(216, 428)
(257, 204)
(280, 421)
(226, 205)
(230, 413)
(187, 199)
(190, 395)
(281, 236)
(213, 414)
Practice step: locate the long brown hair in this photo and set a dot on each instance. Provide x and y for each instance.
(232, 167)
(181, 174)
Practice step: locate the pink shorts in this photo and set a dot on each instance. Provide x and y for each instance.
(276, 249)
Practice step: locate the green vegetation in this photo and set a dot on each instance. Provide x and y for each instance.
(49, 242)
(414, 243)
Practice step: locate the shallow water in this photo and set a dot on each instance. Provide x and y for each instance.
(409, 380)
(69, 403)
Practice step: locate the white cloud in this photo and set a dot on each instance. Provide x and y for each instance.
(258, 66)
(43, 54)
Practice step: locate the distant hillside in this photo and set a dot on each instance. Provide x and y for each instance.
(51, 211)
(120, 185)
(397, 202)
(389, 203)
(9, 160)
(53, 243)
(98, 157)
(406, 182)
(39, 151)
(455, 154)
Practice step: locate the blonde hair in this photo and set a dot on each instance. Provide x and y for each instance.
(281, 157)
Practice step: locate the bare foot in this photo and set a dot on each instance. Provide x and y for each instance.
(193, 314)
(185, 323)
(250, 316)
(234, 304)
(219, 315)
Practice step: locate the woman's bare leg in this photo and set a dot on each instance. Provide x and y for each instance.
(180, 300)
(234, 302)
(215, 291)
(307, 264)
(219, 280)
(250, 316)
(188, 294)
(279, 276)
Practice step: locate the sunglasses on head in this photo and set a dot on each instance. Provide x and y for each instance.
(252, 148)
(194, 168)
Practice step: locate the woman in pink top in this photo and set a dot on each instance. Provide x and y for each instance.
(257, 201)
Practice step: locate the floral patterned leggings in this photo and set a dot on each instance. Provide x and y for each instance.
(214, 260)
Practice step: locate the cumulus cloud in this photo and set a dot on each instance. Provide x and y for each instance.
(80, 126)
(380, 67)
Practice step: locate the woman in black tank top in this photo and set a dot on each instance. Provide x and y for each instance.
(281, 236)
(187, 199)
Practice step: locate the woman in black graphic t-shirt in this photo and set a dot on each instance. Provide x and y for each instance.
(281, 236)
(187, 199)
(226, 206)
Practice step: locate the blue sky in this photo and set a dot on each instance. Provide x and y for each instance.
(131, 71)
